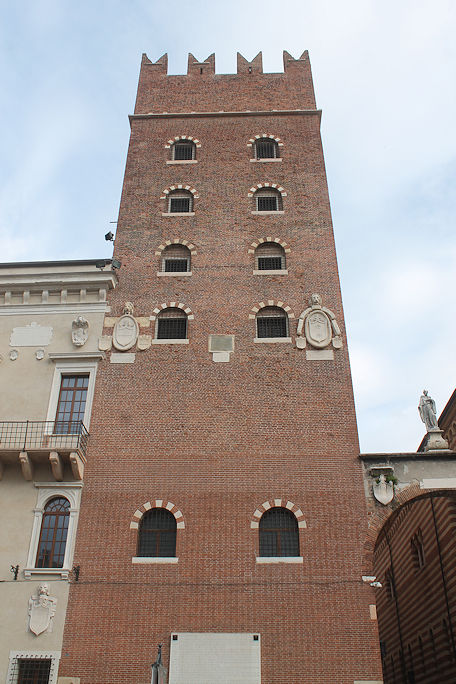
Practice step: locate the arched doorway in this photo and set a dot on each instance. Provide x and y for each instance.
(415, 561)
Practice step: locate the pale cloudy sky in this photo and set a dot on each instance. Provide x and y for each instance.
(385, 74)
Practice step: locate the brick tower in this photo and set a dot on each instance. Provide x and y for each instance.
(223, 514)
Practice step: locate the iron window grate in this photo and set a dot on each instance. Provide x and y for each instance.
(180, 205)
(266, 149)
(176, 265)
(279, 533)
(157, 534)
(270, 263)
(172, 329)
(31, 670)
(271, 325)
(268, 203)
(183, 151)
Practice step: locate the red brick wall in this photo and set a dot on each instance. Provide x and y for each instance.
(220, 439)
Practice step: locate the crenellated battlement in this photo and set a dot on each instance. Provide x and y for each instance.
(203, 90)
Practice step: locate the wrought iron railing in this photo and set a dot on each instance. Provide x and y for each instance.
(32, 435)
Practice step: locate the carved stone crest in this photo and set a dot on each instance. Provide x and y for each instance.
(126, 330)
(383, 490)
(41, 610)
(79, 331)
(319, 326)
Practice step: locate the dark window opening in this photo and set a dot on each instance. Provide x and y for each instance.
(279, 533)
(172, 324)
(272, 322)
(183, 151)
(180, 204)
(71, 404)
(176, 259)
(270, 256)
(33, 671)
(267, 204)
(53, 535)
(269, 263)
(266, 149)
(157, 534)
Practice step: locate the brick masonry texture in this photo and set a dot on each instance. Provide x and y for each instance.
(219, 439)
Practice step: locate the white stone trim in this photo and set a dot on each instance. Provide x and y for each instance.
(273, 340)
(14, 656)
(177, 138)
(68, 368)
(283, 271)
(183, 341)
(178, 213)
(183, 161)
(47, 491)
(262, 240)
(267, 213)
(179, 186)
(266, 186)
(148, 560)
(253, 140)
(279, 559)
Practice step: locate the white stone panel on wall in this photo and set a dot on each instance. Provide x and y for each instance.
(205, 658)
(33, 335)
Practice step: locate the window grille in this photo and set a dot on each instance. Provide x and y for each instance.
(176, 259)
(268, 200)
(279, 534)
(265, 148)
(31, 670)
(172, 324)
(53, 535)
(418, 550)
(183, 151)
(71, 404)
(272, 321)
(157, 534)
(270, 256)
(180, 202)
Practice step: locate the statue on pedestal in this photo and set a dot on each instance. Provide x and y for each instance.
(428, 415)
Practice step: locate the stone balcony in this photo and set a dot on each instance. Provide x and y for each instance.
(32, 442)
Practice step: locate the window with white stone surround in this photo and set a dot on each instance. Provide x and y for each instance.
(72, 367)
(34, 667)
(48, 492)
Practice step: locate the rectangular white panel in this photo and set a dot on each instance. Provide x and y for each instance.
(206, 658)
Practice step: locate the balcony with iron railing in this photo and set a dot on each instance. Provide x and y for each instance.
(35, 441)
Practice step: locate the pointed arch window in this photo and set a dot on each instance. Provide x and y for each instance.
(279, 534)
(157, 534)
(53, 534)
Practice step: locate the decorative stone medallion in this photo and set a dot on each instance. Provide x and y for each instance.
(79, 331)
(125, 333)
(383, 490)
(317, 326)
(41, 610)
(318, 329)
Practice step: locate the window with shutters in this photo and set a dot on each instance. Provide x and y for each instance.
(278, 533)
(270, 256)
(266, 148)
(171, 324)
(180, 202)
(271, 322)
(157, 534)
(268, 200)
(183, 150)
(176, 259)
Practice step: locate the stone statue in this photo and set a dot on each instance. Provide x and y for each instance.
(128, 309)
(428, 412)
(41, 610)
(79, 331)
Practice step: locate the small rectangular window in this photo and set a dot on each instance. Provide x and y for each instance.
(270, 263)
(71, 404)
(172, 329)
(184, 151)
(33, 670)
(266, 149)
(179, 205)
(176, 265)
(272, 326)
(267, 204)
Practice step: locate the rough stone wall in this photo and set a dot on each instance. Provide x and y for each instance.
(219, 439)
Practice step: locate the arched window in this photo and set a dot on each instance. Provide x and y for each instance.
(268, 199)
(175, 259)
(180, 202)
(157, 534)
(172, 324)
(183, 150)
(266, 148)
(279, 534)
(272, 321)
(53, 534)
(270, 256)
(418, 551)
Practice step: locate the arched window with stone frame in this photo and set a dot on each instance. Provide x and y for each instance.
(183, 150)
(270, 256)
(266, 148)
(53, 534)
(171, 324)
(278, 533)
(272, 322)
(157, 534)
(268, 200)
(180, 202)
(176, 259)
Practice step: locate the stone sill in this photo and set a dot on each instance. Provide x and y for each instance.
(268, 213)
(282, 271)
(183, 161)
(272, 159)
(60, 572)
(174, 273)
(179, 213)
(273, 340)
(170, 341)
(146, 560)
(279, 559)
